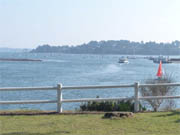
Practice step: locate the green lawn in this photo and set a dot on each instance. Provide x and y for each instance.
(159, 123)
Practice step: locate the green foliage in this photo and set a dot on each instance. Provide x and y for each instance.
(123, 105)
(114, 47)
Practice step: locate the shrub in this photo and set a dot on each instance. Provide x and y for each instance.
(107, 106)
(158, 91)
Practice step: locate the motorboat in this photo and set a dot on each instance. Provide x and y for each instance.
(123, 60)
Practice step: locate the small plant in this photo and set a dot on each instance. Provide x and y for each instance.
(158, 91)
(107, 106)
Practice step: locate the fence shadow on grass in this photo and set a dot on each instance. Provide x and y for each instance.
(26, 133)
(177, 121)
(172, 113)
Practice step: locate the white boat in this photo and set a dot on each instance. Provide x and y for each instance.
(123, 60)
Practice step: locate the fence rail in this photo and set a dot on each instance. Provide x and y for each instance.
(27, 88)
(59, 88)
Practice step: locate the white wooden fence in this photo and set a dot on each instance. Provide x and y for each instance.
(59, 88)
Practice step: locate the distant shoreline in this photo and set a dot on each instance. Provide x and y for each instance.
(12, 59)
(122, 47)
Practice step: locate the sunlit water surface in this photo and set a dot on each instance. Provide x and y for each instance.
(73, 70)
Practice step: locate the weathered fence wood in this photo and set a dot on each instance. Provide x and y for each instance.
(28, 102)
(96, 87)
(60, 99)
(96, 99)
(136, 97)
(27, 88)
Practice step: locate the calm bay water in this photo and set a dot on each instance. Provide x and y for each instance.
(71, 69)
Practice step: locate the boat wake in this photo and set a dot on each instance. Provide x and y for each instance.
(112, 68)
(51, 60)
(109, 69)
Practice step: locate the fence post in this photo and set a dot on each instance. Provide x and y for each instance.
(59, 98)
(136, 96)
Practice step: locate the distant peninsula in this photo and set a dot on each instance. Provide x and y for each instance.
(123, 47)
(13, 59)
(14, 50)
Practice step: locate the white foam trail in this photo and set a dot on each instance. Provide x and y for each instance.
(51, 60)
(112, 68)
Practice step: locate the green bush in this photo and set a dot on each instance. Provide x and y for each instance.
(107, 106)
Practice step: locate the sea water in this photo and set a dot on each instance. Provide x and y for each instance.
(73, 70)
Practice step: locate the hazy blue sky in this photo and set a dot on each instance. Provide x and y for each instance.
(29, 23)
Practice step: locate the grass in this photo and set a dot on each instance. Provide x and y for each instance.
(158, 123)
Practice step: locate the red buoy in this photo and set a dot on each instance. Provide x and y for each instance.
(160, 73)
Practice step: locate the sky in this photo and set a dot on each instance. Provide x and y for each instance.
(29, 23)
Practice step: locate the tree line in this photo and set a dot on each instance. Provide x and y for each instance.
(124, 47)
